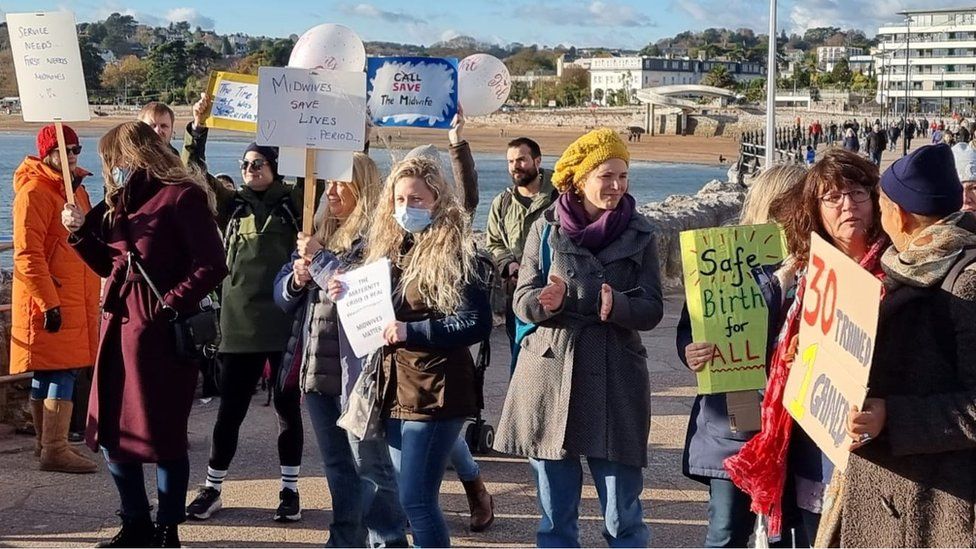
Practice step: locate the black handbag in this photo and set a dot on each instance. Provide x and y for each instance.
(196, 334)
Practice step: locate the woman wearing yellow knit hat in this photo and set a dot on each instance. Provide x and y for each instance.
(589, 282)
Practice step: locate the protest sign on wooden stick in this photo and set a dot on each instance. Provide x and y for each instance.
(50, 77)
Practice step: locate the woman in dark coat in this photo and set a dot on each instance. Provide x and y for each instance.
(160, 214)
(910, 481)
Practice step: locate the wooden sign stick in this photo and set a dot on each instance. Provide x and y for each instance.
(308, 204)
(69, 192)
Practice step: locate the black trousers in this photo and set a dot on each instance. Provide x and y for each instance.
(239, 374)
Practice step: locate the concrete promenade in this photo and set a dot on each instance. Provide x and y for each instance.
(40, 509)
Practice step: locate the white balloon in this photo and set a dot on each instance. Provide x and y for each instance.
(331, 47)
(483, 84)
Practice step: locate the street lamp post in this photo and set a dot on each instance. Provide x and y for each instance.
(771, 88)
(908, 71)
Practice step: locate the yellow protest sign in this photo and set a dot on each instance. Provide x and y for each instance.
(725, 304)
(235, 102)
(838, 324)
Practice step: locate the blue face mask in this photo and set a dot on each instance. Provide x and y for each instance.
(121, 175)
(413, 220)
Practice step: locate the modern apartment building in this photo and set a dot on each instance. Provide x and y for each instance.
(938, 47)
(611, 74)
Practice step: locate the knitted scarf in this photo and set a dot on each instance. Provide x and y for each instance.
(759, 469)
(594, 235)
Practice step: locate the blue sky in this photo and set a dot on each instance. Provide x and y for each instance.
(612, 23)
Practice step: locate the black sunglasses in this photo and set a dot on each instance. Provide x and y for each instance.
(73, 149)
(257, 164)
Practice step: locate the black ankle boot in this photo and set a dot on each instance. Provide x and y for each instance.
(166, 535)
(135, 532)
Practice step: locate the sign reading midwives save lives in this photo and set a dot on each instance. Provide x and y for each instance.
(412, 91)
(311, 109)
(838, 324)
(725, 304)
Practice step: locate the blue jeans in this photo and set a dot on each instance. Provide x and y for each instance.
(560, 485)
(172, 479)
(730, 522)
(463, 462)
(420, 451)
(361, 482)
(56, 384)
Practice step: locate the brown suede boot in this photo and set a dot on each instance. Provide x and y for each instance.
(37, 415)
(481, 503)
(56, 453)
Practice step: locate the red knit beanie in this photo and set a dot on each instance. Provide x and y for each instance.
(47, 139)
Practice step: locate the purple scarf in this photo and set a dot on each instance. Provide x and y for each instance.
(594, 235)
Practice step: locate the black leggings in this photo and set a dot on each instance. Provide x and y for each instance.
(239, 374)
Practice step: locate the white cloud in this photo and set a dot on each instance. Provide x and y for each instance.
(593, 14)
(191, 16)
(449, 34)
(866, 16)
(370, 11)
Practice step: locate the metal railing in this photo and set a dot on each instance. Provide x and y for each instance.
(7, 244)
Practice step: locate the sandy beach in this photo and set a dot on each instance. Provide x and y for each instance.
(483, 138)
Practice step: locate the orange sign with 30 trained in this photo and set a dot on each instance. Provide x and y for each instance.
(838, 323)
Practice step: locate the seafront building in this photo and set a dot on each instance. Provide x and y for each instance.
(939, 48)
(829, 56)
(610, 75)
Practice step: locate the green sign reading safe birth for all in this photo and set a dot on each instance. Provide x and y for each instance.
(725, 304)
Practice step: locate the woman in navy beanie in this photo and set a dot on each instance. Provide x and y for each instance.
(910, 481)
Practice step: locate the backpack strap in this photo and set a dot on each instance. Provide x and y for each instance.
(966, 258)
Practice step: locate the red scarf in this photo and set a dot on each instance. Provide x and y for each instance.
(759, 469)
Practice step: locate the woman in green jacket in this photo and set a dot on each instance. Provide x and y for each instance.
(260, 223)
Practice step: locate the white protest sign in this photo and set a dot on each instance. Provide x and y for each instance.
(366, 308)
(838, 324)
(329, 165)
(311, 109)
(47, 60)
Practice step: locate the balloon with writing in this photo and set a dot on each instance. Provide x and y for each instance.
(483, 84)
(330, 47)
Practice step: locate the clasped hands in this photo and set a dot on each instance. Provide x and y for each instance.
(553, 295)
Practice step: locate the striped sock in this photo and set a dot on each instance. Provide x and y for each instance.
(289, 477)
(215, 478)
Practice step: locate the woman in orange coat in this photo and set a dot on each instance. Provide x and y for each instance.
(55, 298)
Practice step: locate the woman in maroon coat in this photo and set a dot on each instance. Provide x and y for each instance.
(162, 214)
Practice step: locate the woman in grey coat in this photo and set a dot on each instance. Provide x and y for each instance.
(580, 386)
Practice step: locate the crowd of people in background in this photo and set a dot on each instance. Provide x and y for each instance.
(107, 286)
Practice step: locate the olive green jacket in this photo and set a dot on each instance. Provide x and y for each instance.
(509, 222)
(259, 234)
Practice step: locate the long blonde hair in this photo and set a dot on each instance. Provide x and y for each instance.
(339, 235)
(135, 145)
(765, 188)
(442, 260)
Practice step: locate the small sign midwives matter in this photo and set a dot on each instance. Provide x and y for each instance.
(311, 109)
(838, 324)
(366, 308)
(235, 102)
(48, 65)
(412, 91)
(725, 304)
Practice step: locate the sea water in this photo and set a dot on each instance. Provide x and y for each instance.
(649, 181)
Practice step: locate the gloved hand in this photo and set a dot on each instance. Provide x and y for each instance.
(52, 320)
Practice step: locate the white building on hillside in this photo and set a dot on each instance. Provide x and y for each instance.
(941, 55)
(828, 56)
(612, 74)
